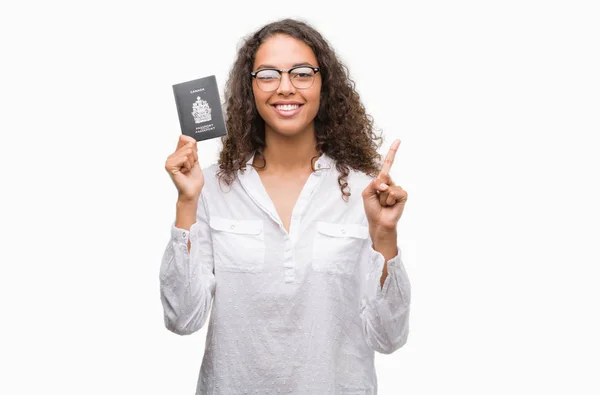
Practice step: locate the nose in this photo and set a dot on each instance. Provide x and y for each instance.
(285, 85)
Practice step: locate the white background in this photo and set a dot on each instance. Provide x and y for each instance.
(497, 106)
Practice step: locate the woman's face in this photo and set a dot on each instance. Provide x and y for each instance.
(284, 52)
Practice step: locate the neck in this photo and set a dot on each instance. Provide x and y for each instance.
(290, 153)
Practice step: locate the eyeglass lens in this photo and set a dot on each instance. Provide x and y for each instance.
(301, 78)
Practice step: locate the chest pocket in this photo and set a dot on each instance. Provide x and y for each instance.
(337, 247)
(238, 245)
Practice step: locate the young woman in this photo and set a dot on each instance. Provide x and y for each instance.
(292, 235)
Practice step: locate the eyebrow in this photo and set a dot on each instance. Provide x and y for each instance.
(268, 66)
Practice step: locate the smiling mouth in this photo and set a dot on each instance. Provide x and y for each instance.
(287, 107)
(287, 110)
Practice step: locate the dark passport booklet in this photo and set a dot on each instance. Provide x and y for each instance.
(199, 108)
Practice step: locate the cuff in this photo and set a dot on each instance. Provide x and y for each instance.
(395, 269)
(395, 261)
(179, 234)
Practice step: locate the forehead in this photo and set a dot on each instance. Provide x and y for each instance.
(283, 52)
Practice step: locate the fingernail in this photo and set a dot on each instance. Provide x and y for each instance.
(383, 186)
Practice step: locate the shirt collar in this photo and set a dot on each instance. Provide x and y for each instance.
(324, 162)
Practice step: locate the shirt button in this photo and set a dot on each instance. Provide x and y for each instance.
(343, 232)
(232, 227)
(183, 234)
(318, 165)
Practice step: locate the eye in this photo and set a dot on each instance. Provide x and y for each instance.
(302, 73)
(267, 75)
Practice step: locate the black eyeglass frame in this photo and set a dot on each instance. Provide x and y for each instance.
(315, 69)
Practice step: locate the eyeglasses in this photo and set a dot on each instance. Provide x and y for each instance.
(268, 80)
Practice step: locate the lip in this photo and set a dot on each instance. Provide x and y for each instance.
(287, 114)
(286, 102)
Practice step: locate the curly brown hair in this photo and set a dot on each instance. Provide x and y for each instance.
(343, 129)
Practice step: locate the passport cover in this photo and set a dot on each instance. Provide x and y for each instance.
(199, 108)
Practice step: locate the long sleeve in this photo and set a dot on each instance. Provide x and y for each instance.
(187, 280)
(384, 310)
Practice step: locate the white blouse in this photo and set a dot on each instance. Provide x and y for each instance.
(292, 313)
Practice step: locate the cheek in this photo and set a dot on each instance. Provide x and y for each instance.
(260, 99)
(318, 100)
(316, 93)
(315, 99)
(256, 93)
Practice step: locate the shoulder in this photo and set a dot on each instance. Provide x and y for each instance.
(357, 182)
(211, 179)
(210, 171)
(357, 179)
(216, 184)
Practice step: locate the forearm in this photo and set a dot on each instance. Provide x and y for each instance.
(185, 216)
(385, 242)
(385, 308)
(187, 276)
(187, 282)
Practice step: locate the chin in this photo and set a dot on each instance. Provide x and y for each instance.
(288, 129)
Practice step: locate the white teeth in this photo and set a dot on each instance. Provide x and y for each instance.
(287, 107)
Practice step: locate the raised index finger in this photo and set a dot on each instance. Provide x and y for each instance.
(389, 159)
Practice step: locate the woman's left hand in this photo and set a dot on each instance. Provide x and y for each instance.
(384, 201)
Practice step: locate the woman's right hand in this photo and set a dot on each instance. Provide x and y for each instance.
(184, 169)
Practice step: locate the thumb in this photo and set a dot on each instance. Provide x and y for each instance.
(374, 187)
(183, 140)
